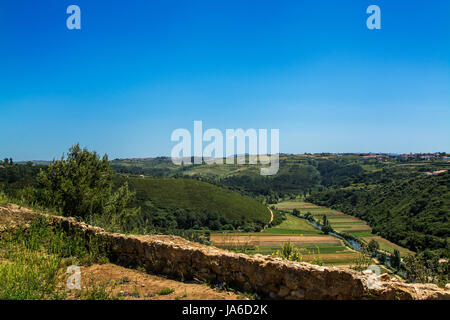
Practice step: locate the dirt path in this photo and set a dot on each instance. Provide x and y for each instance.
(271, 219)
(271, 215)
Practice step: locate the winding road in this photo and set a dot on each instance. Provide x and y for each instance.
(271, 219)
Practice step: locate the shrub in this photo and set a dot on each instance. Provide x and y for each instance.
(81, 185)
(289, 252)
(165, 291)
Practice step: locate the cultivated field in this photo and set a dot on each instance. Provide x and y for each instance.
(386, 245)
(342, 222)
(338, 220)
(271, 239)
(313, 244)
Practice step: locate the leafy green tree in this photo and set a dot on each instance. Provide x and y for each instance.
(382, 257)
(374, 246)
(81, 186)
(325, 220)
(327, 229)
(309, 216)
(396, 259)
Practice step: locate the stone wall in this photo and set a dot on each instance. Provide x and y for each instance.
(268, 276)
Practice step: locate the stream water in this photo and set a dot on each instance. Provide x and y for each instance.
(354, 244)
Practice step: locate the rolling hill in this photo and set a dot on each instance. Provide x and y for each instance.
(191, 204)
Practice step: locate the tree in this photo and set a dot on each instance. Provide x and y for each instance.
(325, 220)
(327, 229)
(309, 216)
(81, 186)
(382, 257)
(396, 259)
(374, 246)
(6, 161)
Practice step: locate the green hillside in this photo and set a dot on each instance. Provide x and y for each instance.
(413, 212)
(191, 204)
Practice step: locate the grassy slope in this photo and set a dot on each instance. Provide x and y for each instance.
(33, 262)
(197, 196)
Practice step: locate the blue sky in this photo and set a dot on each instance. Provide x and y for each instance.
(137, 70)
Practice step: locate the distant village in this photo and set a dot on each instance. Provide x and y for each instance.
(443, 156)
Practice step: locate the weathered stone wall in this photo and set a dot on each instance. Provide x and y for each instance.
(268, 276)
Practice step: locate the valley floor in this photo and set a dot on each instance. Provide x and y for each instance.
(314, 245)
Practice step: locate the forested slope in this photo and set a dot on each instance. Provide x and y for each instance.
(413, 212)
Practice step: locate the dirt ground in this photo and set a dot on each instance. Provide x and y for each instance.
(12, 216)
(131, 284)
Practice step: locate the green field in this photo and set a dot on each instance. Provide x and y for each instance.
(294, 225)
(307, 249)
(386, 245)
(338, 220)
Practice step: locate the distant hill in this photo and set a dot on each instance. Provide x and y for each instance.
(297, 175)
(293, 176)
(36, 162)
(191, 204)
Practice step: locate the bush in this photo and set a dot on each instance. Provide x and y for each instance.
(165, 291)
(82, 186)
(289, 252)
(327, 229)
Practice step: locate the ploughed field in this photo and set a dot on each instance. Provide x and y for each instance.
(274, 239)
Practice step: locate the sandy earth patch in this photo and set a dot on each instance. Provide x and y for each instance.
(134, 284)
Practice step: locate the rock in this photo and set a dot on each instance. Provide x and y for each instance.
(385, 277)
(284, 291)
(298, 294)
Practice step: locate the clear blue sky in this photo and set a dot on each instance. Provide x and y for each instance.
(137, 70)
